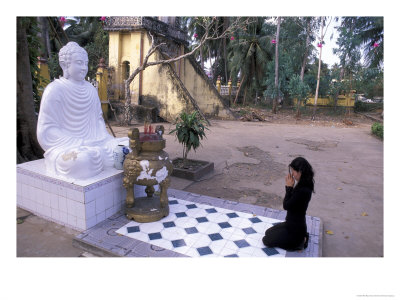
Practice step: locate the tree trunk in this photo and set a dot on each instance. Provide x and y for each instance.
(319, 71)
(245, 95)
(209, 57)
(44, 35)
(341, 76)
(238, 90)
(305, 58)
(226, 24)
(127, 106)
(28, 147)
(201, 58)
(274, 103)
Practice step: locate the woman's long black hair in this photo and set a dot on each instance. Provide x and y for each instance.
(300, 164)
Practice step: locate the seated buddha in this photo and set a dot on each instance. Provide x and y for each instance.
(71, 128)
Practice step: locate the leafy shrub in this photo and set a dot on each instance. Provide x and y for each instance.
(377, 129)
(360, 106)
(298, 89)
(189, 130)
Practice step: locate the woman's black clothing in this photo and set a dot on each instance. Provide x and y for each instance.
(290, 234)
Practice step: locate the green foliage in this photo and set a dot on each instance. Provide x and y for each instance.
(293, 38)
(54, 66)
(357, 36)
(97, 49)
(189, 131)
(88, 32)
(369, 81)
(293, 48)
(349, 45)
(285, 72)
(364, 32)
(311, 78)
(298, 89)
(214, 49)
(377, 129)
(335, 88)
(360, 106)
(334, 112)
(249, 53)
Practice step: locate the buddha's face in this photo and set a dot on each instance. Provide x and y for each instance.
(78, 66)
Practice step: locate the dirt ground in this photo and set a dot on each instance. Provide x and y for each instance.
(267, 170)
(251, 160)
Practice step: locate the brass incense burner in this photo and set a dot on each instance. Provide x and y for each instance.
(147, 165)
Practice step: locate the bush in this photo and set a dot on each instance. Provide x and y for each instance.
(338, 111)
(377, 129)
(189, 131)
(298, 89)
(360, 106)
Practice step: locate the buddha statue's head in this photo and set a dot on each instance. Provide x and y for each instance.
(73, 61)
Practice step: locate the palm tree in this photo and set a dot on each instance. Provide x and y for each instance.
(249, 53)
(212, 50)
(367, 33)
(196, 32)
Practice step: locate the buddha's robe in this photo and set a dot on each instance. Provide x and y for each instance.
(72, 131)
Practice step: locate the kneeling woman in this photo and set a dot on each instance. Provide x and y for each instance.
(292, 234)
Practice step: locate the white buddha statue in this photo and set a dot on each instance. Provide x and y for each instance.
(71, 127)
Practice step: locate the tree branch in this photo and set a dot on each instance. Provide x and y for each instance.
(206, 37)
(206, 24)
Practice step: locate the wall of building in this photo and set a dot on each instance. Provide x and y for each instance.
(343, 100)
(208, 99)
(171, 88)
(120, 51)
(44, 79)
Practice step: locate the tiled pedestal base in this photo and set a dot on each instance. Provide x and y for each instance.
(79, 204)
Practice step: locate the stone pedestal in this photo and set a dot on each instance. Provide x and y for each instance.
(147, 209)
(78, 204)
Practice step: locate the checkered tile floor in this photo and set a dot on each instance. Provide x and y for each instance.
(195, 230)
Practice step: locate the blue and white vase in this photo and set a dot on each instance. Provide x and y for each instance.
(119, 156)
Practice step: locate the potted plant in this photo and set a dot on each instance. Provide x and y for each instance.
(189, 131)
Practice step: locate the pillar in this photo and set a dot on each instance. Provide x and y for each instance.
(219, 84)
(114, 58)
(44, 74)
(101, 77)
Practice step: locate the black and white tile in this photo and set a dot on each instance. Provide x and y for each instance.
(198, 230)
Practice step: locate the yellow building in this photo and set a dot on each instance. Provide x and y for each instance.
(343, 100)
(44, 75)
(171, 88)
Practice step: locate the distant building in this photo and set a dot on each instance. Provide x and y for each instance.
(172, 88)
